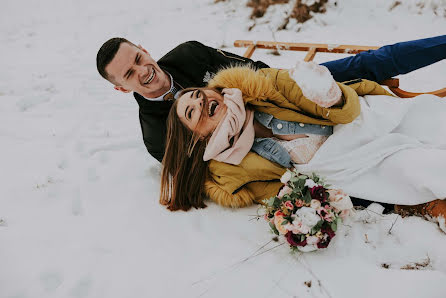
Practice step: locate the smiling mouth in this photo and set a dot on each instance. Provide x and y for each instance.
(150, 78)
(212, 107)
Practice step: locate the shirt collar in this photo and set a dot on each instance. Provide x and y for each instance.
(173, 90)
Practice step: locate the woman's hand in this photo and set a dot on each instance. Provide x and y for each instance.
(317, 84)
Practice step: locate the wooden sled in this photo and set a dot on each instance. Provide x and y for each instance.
(313, 48)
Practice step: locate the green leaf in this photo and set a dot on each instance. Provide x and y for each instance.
(294, 249)
(294, 179)
(317, 227)
(338, 220)
(273, 228)
(300, 184)
(270, 202)
(334, 226)
(284, 222)
(307, 197)
(277, 202)
(294, 196)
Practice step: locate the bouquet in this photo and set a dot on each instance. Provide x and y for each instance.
(306, 212)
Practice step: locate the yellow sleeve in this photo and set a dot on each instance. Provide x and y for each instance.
(293, 93)
(254, 179)
(242, 198)
(366, 87)
(264, 189)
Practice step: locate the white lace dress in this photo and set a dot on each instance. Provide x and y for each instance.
(302, 150)
(394, 152)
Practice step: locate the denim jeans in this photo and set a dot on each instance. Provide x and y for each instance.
(388, 61)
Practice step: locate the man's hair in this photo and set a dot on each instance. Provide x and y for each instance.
(106, 54)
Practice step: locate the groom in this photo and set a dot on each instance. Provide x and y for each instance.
(191, 64)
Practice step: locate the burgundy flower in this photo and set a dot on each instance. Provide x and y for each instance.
(294, 239)
(328, 235)
(322, 212)
(327, 230)
(318, 193)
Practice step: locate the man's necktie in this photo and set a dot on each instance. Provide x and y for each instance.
(168, 96)
(171, 94)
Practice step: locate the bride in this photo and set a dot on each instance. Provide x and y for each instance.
(232, 141)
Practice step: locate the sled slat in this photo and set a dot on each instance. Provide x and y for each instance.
(314, 48)
(391, 83)
(249, 51)
(310, 55)
(407, 94)
(292, 46)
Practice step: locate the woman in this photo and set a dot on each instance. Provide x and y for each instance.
(359, 157)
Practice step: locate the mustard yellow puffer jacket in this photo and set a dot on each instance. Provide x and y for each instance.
(274, 92)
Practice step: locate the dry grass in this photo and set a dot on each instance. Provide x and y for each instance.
(259, 7)
(425, 264)
(301, 12)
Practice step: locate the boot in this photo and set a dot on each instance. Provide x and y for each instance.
(435, 210)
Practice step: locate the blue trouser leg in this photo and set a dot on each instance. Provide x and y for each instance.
(390, 60)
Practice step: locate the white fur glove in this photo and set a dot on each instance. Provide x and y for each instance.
(317, 83)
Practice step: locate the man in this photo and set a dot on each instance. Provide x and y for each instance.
(154, 84)
(131, 68)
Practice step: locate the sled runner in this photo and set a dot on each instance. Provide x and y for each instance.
(313, 48)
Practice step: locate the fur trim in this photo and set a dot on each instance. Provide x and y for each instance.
(253, 84)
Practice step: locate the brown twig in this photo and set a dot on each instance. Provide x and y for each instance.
(301, 260)
(390, 230)
(255, 217)
(254, 254)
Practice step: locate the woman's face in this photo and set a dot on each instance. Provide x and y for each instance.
(189, 110)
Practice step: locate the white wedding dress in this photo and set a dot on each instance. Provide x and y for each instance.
(394, 152)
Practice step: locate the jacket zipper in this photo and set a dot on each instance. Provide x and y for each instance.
(221, 52)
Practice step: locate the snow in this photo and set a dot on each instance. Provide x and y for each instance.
(79, 212)
(442, 223)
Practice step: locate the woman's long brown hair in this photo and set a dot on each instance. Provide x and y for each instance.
(184, 171)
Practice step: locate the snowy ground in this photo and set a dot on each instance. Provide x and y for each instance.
(79, 197)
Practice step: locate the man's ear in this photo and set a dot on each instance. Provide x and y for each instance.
(142, 49)
(122, 89)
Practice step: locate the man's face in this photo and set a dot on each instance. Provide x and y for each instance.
(133, 69)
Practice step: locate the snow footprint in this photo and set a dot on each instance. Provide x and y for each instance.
(82, 288)
(51, 280)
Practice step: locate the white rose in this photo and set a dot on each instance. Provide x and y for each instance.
(315, 204)
(339, 200)
(307, 248)
(310, 183)
(311, 240)
(286, 177)
(297, 227)
(286, 190)
(308, 216)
